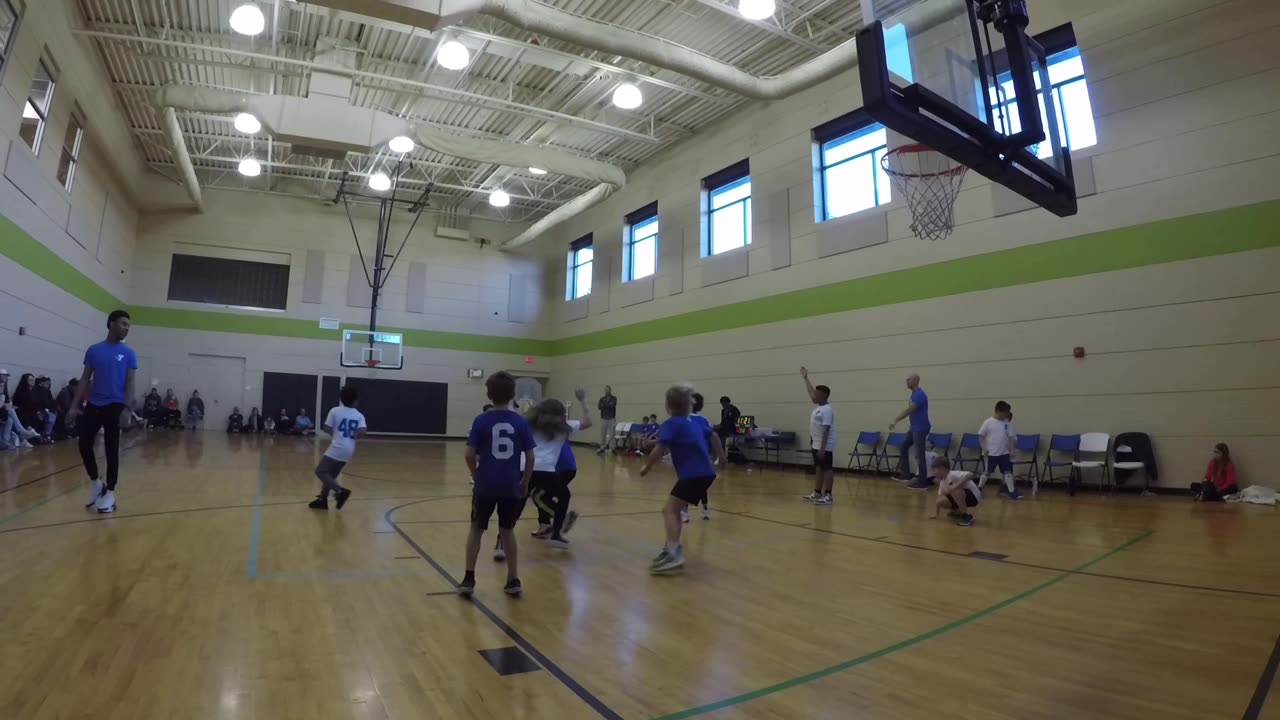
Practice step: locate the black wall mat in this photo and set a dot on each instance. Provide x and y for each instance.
(403, 406)
(290, 391)
(329, 387)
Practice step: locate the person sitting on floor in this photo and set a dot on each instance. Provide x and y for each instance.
(152, 409)
(284, 425)
(302, 425)
(172, 412)
(195, 409)
(268, 425)
(48, 407)
(1219, 477)
(66, 396)
(254, 423)
(235, 423)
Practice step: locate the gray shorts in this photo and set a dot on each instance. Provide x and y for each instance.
(329, 466)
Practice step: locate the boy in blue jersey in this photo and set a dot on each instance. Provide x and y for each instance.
(108, 381)
(690, 443)
(500, 444)
(696, 415)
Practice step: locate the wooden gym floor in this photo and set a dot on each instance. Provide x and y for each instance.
(215, 593)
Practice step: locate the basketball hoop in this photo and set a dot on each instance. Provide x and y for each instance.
(931, 182)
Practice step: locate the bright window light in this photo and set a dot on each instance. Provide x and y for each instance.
(730, 216)
(248, 19)
(401, 144)
(627, 97)
(756, 9)
(250, 167)
(453, 55)
(537, 171)
(1070, 92)
(852, 177)
(379, 182)
(248, 124)
(499, 198)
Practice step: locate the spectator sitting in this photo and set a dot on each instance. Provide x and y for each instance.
(48, 407)
(152, 410)
(66, 396)
(254, 423)
(172, 413)
(302, 425)
(195, 409)
(27, 408)
(268, 425)
(1219, 477)
(284, 425)
(235, 423)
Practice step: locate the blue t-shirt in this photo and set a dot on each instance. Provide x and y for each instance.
(566, 461)
(920, 416)
(111, 363)
(500, 438)
(687, 440)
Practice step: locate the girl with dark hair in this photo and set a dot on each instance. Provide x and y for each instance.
(548, 488)
(1219, 477)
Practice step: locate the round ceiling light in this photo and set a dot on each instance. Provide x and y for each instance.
(453, 55)
(537, 171)
(401, 145)
(248, 124)
(250, 167)
(757, 9)
(499, 198)
(248, 19)
(627, 96)
(379, 182)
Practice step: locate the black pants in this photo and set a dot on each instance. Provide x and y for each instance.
(566, 477)
(1208, 492)
(550, 493)
(107, 419)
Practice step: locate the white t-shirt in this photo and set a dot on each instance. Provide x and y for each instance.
(997, 436)
(965, 480)
(547, 451)
(343, 423)
(822, 416)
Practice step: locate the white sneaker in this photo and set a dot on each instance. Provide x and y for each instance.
(25, 443)
(822, 500)
(95, 491)
(706, 513)
(684, 515)
(499, 554)
(672, 562)
(811, 496)
(107, 503)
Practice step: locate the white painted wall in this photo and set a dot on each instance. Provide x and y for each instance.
(1186, 95)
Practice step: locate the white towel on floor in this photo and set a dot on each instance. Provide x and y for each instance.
(1256, 494)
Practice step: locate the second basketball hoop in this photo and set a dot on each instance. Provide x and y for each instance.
(930, 181)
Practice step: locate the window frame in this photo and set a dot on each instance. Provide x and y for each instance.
(632, 221)
(851, 126)
(42, 117)
(13, 33)
(573, 266)
(730, 178)
(72, 154)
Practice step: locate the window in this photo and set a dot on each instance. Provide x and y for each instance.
(578, 278)
(1070, 92)
(8, 26)
(36, 111)
(220, 281)
(70, 152)
(728, 207)
(640, 243)
(850, 178)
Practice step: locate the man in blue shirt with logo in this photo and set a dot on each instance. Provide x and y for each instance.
(108, 382)
(500, 458)
(918, 411)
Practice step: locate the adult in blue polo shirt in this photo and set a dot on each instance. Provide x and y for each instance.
(108, 382)
(918, 411)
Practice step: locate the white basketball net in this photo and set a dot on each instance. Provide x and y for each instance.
(930, 181)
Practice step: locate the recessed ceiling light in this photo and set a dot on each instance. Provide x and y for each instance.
(627, 96)
(453, 55)
(499, 198)
(248, 19)
(379, 182)
(537, 171)
(248, 124)
(401, 144)
(757, 9)
(250, 167)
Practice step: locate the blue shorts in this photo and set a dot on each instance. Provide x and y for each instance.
(1004, 463)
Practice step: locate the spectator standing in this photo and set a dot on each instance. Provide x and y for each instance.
(608, 407)
(918, 410)
(195, 409)
(729, 414)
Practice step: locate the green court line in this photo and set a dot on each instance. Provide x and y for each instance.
(903, 645)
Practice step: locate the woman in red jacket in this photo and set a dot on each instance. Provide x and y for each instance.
(1219, 477)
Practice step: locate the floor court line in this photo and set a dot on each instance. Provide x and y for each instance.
(1268, 678)
(902, 645)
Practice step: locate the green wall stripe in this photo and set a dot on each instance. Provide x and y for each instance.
(1221, 232)
(40, 260)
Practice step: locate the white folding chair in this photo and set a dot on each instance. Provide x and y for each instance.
(1093, 444)
(620, 433)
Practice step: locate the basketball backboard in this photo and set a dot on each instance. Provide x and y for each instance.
(964, 78)
(373, 350)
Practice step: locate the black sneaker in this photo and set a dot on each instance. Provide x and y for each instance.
(569, 521)
(512, 587)
(341, 496)
(917, 485)
(468, 585)
(319, 503)
(965, 520)
(559, 541)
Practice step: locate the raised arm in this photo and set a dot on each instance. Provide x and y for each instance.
(808, 386)
(581, 395)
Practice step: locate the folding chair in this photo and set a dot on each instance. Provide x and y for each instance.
(941, 442)
(1059, 444)
(620, 433)
(969, 441)
(866, 461)
(896, 441)
(1028, 444)
(1094, 444)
